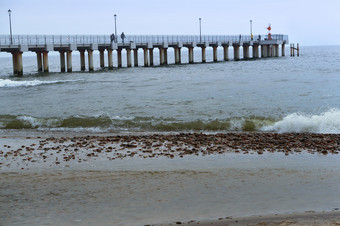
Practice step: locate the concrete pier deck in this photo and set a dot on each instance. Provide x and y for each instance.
(66, 44)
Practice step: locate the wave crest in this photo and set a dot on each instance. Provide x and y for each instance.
(326, 122)
(7, 83)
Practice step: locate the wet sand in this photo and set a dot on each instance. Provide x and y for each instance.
(105, 179)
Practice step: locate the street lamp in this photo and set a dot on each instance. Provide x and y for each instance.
(115, 27)
(251, 30)
(200, 20)
(10, 25)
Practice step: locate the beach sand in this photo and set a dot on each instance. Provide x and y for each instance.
(145, 179)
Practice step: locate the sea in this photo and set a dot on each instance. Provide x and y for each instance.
(282, 94)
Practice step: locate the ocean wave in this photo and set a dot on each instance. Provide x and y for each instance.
(105, 122)
(5, 83)
(326, 122)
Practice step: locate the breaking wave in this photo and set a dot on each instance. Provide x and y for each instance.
(12, 83)
(326, 122)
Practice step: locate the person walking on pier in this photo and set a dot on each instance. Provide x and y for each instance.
(122, 37)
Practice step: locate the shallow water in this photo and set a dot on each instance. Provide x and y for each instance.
(145, 191)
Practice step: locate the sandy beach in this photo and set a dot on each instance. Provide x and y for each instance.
(169, 178)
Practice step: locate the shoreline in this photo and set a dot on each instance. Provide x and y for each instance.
(52, 150)
(306, 218)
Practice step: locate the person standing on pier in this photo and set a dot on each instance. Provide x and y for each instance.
(122, 37)
(112, 38)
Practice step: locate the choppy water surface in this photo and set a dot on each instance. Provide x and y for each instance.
(280, 94)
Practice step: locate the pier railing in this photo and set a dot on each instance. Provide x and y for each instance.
(105, 39)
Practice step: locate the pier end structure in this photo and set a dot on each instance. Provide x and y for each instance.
(66, 44)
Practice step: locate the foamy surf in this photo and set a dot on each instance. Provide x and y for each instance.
(4, 83)
(326, 122)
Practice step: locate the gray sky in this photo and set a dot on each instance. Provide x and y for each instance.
(309, 22)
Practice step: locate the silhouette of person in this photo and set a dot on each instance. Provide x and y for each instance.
(112, 38)
(122, 36)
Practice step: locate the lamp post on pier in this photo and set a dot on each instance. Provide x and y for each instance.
(10, 25)
(251, 29)
(200, 21)
(115, 27)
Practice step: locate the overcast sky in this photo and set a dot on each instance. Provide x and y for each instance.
(309, 22)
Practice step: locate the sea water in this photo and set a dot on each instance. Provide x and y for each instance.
(285, 94)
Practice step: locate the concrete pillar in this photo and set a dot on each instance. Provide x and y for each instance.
(165, 55)
(270, 51)
(119, 58)
(215, 53)
(146, 57)
(264, 51)
(226, 53)
(203, 55)
(128, 57)
(109, 58)
(161, 56)
(255, 51)
(45, 61)
(245, 51)
(177, 55)
(90, 59)
(277, 51)
(17, 63)
(236, 52)
(101, 58)
(39, 61)
(62, 61)
(191, 55)
(82, 60)
(151, 56)
(283, 50)
(135, 57)
(69, 61)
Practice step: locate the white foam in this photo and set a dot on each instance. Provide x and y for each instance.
(36, 123)
(12, 83)
(326, 122)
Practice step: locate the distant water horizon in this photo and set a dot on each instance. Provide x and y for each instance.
(285, 94)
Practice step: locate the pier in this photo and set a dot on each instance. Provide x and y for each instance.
(262, 47)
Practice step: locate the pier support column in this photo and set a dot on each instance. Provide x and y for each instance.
(69, 61)
(177, 55)
(109, 58)
(264, 51)
(119, 58)
(90, 59)
(245, 52)
(226, 53)
(236, 52)
(165, 55)
(62, 61)
(45, 61)
(161, 56)
(128, 57)
(203, 55)
(17, 63)
(146, 57)
(82, 60)
(39, 61)
(101, 56)
(135, 57)
(151, 56)
(277, 51)
(255, 51)
(215, 53)
(283, 50)
(191, 55)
